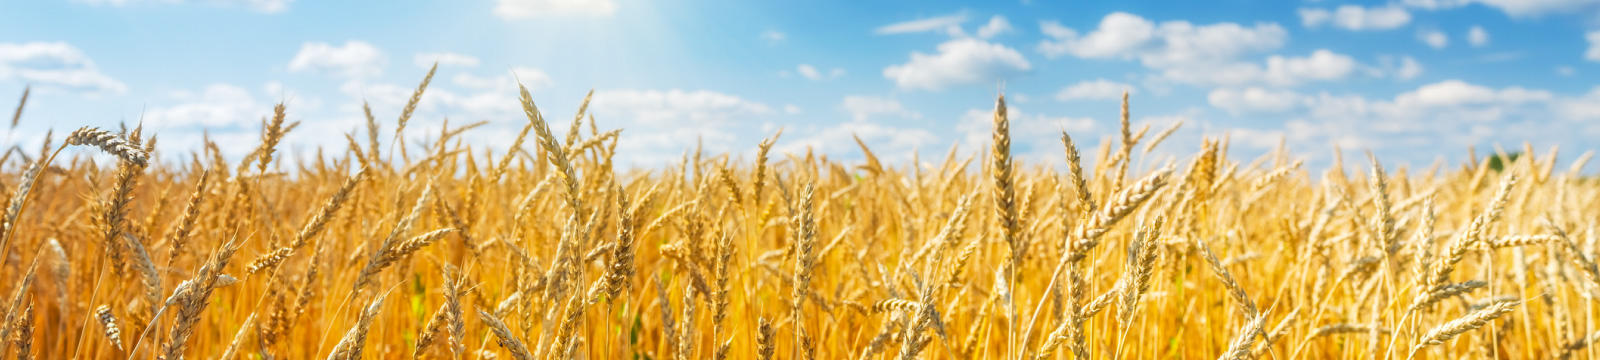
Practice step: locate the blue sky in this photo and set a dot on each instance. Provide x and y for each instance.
(1410, 80)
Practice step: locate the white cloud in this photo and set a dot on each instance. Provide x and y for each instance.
(1254, 100)
(356, 59)
(773, 37)
(1171, 43)
(438, 102)
(472, 97)
(958, 62)
(676, 107)
(941, 23)
(1594, 46)
(1477, 36)
(1098, 89)
(864, 108)
(217, 106)
(264, 6)
(471, 81)
(997, 25)
(54, 65)
(426, 60)
(1413, 125)
(1321, 65)
(1357, 18)
(1585, 108)
(1515, 8)
(1456, 93)
(533, 79)
(261, 6)
(1434, 38)
(1566, 71)
(1408, 69)
(811, 72)
(528, 9)
(660, 124)
(1206, 55)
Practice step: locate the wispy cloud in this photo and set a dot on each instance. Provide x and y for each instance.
(354, 59)
(958, 62)
(56, 65)
(1357, 18)
(529, 9)
(261, 6)
(425, 60)
(940, 23)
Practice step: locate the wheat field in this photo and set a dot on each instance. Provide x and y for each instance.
(440, 250)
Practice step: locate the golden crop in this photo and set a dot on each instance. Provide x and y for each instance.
(548, 252)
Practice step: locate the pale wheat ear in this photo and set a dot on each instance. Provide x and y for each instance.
(109, 142)
(17, 116)
(109, 323)
(504, 336)
(1438, 335)
(354, 341)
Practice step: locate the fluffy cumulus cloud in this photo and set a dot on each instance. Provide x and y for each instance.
(354, 59)
(1594, 46)
(215, 106)
(661, 123)
(960, 61)
(1205, 55)
(1586, 107)
(1434, 38)
(1477, 36)
(939, 23)
(773, 37)
(425, 60)
(466, 96)
(1097, 89)
(812, 73)
(1402, 68)
(865, 108)
(261, 6)
(1357, 18)
(871, 121)
(1515, 8)
(1450, 114)
(230, 115)
(532, 78)
(1128, 36)
(56, 65)
(676, 107)
(1254, 100)
(528, 9)
(437, 103)
(997, 25)
(1277, 70)
(463, 97)
(1321, 65)
(1455, 93)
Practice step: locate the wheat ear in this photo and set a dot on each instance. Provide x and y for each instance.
(1449, 330)
(504, 336)
(354, 341)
